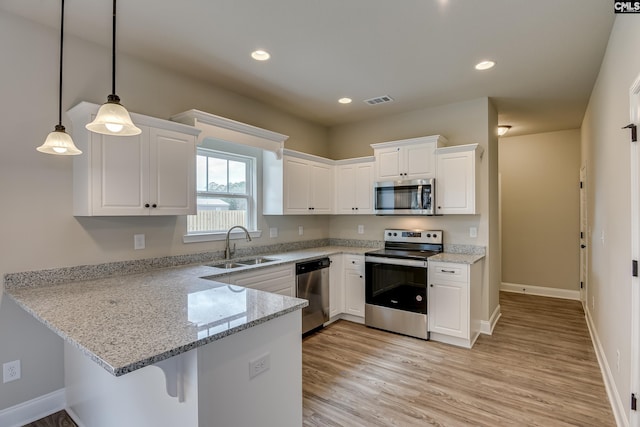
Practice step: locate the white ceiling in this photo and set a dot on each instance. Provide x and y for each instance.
(420, 52)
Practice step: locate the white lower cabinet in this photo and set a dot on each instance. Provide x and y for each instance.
(278, 279)
(336, 286)
(454, 302)
(354, 285)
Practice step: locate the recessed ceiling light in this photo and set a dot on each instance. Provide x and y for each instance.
(345, 100)
(485, 65)
(260, 55)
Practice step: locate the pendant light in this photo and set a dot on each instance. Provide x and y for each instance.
(59, 142)
(113, 118)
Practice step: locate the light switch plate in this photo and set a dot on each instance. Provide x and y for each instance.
(138, 241)
(300, 230)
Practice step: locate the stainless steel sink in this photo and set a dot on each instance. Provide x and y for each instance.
(257, 260)
(227, 265)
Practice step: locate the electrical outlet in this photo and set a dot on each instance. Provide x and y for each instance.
(618, 360)
(273, 232)
(300, 230)
(473, 231)
(360, 229)
(259, 365)
(11, 371)
(138, 241)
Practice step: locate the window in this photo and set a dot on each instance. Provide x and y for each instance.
(225, 192)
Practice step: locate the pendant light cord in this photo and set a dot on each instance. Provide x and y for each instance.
(113, 53)
(61, 51)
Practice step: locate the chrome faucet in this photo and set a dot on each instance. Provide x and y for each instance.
(227, 249)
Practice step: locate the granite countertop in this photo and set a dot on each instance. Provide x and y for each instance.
(126, 322)
(457, 258)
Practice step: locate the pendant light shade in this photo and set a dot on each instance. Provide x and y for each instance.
(112, 117)
(59, 142)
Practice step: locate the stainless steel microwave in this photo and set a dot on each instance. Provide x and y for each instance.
(412, 197)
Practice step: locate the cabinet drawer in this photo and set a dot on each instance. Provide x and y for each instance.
(354, 262)
(439, 271)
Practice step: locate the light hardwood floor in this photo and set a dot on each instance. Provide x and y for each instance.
(537, 369)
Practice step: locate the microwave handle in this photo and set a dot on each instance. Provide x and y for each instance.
(419, 197)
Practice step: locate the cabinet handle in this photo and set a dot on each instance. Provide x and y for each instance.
(361, 277)
(353, 262)
(431, 285)
(146, 205)
(447, 271)
(154, 205)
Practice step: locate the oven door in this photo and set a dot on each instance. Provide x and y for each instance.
(396, 283)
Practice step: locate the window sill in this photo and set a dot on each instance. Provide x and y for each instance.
(217, 236)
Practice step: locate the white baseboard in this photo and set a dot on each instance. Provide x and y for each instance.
(540, 291)
(617, 406)
(487, 326)
(34, 409)
(74, 417)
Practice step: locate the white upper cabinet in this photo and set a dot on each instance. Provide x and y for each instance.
(354, 186)
(148, 174)
(457, 179)
(297, 184)
(407, 159)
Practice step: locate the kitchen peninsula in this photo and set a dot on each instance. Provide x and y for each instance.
(168, 348)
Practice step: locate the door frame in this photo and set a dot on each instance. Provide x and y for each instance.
(634, 101)
(584, 234)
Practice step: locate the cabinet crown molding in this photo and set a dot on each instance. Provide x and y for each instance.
(79, 112)
(438, 139)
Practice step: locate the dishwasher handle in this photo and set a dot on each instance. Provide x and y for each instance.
(313, 265)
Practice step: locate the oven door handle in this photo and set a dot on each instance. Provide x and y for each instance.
(396, 261)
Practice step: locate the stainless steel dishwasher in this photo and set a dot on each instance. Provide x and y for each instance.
(312, 284)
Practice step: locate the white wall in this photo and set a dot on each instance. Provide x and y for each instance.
(37, 228)
(606, 152)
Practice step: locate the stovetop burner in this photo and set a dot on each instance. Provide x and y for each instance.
(398, 253)
(411, 244)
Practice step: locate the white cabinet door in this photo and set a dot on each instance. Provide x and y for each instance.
(120, 176)
(354, 188)
(364, 188)
(419, 160)
(321, 188)
(354, 292)
(449, 309)
(345, 188)
(296, 186)
(336, 286)
(457, 179)
(388, 164)
(172, 173)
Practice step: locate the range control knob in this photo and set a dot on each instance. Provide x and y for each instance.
(429, 235)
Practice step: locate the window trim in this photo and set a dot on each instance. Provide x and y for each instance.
(251, 199)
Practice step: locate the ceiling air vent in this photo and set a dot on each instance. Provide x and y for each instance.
(379, 100)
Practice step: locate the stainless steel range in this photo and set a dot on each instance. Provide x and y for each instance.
(396, 281)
